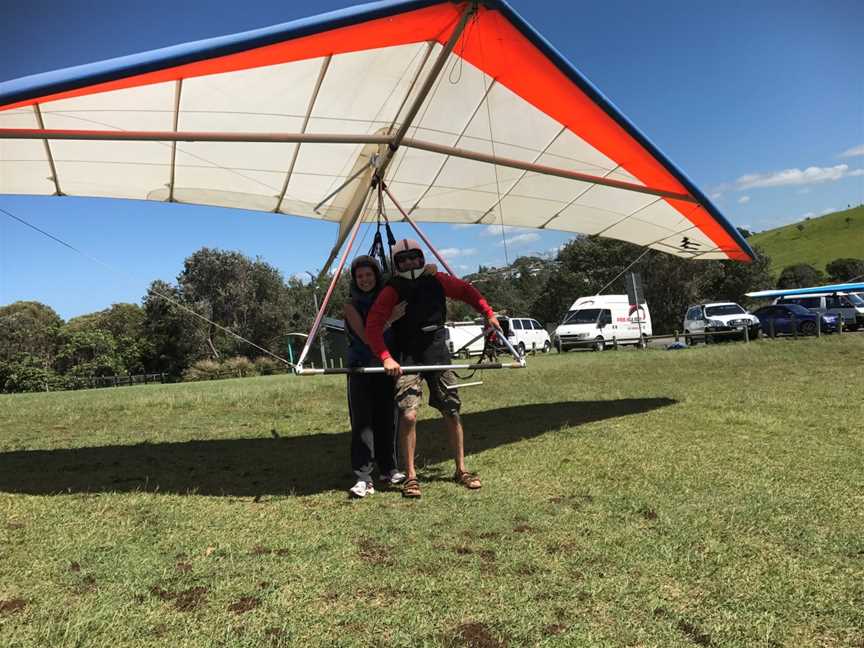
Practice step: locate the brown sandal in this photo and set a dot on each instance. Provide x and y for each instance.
(411, 488)
(469, 480)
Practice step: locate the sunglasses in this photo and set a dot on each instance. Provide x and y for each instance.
(410, 255)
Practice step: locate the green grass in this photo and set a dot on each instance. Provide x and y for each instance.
(705, 497)
(823, 240)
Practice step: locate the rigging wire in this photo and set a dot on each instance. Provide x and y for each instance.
(155, 292)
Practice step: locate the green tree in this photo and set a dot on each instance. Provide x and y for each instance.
(800, 275)
(842, 270)
(29, 329)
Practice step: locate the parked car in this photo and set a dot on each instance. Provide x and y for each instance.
(726, 318)
(789, 318)
(526, 334)
(597, 321)
(849, 306)
(464, 339)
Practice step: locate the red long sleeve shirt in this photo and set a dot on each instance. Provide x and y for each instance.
(454, 288)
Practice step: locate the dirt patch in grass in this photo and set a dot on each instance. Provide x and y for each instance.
(463, 551)
(184, 601)
(474, 635)
(184, 567)
(573, 501)
(14, 525)
(523, 528)
(554, 629)
(74, 567)
(244, 604)
(283, 552)
(87, 585)
(258, 550)
(10, 606)
(487, 555)
(374, 553)
(648, 513)
(694, 633)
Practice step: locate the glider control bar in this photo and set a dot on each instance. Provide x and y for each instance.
(333, 138)
(413, 369)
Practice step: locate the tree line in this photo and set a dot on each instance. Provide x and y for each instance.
(251, 298)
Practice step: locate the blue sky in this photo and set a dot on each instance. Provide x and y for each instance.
(761, 104)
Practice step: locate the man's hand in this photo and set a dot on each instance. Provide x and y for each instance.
(392, 368)
(492, 323)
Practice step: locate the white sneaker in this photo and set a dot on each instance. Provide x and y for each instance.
(393, 477)
(362, 489)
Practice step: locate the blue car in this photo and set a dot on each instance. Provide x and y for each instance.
(789, 318)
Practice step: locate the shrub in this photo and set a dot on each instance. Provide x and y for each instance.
(202, 370)
(240, 366)
(267, 366)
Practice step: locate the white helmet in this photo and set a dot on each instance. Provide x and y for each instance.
(407, 248)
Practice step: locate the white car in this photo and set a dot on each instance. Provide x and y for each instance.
(526, 334)
(464, 339)
(727, 318)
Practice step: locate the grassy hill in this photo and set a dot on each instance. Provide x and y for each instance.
(821, 241)
(707, 497)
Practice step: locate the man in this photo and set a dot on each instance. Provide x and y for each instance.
(420, 339)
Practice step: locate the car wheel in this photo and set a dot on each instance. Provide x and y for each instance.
(558, 346)
(547, 345)
(688, 339)
(755, 334)
(599, 344)
(521, 348)
(465, 353)
(808, 328)
(643, 342)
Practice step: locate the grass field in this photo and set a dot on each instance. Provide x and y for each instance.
(707, 497)
(822, 240)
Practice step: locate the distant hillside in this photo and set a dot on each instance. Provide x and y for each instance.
(822, 240)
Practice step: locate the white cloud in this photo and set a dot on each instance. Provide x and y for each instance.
(856, 172)
(803, 191)
(743, 200)
(827, 210)
(520, 239)
(460, 226)
(853, 152)
(810, 175)
(717, 195)
(495, 230)
(457, 252)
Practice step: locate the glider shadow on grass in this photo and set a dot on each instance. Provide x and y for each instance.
(296, 465)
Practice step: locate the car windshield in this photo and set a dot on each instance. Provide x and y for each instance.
(798, 310)
(856, 300)
(583, 316)
(724, 309)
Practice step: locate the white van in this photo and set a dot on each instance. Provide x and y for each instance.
(602, 320)
(459, 334)
(526, 334)
(849, 306)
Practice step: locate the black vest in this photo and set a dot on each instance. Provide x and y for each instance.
(426, 305)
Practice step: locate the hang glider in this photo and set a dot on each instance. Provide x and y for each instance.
(465, 111)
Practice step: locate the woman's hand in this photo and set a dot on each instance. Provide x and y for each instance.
(392, 368)
(398, 312)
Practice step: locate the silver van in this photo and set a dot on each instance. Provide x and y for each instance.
(849, 306)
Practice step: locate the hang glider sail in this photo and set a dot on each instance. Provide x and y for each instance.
(465, 111)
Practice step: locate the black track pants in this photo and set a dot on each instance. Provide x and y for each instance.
(373, 423)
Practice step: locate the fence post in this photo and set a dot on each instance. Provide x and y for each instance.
(676, 335)
(818, 326)
(615, 342)
(746, 334)
(794, 328)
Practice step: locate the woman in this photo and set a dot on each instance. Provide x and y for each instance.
(370, 396)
